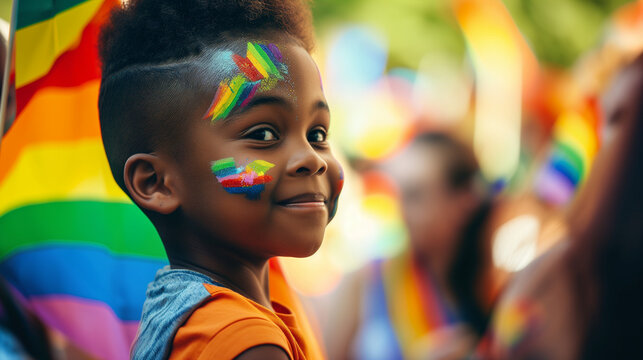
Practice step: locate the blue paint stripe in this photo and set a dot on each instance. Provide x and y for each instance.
(268, 52)
(88, 272)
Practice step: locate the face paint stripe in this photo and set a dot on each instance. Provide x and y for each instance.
(228, 101)
(238, 87)
(249, 179)
(272, 69)
(261, 69)
(247, 68)
(250, 95)
(224, 99)
(245, 93)
(257, 65)
(275, 51)
(254, 53)
(217, 99)
(222, 164)
(259, 166)
(230, 94)
(266, 50)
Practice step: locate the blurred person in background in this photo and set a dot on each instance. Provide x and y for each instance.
(22, 335)
(433, 300)
(10, 109)
(582, 299)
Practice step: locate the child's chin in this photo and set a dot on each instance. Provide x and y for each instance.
(304, 248)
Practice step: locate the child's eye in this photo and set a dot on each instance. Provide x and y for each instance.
(263, 134)
(317, 135)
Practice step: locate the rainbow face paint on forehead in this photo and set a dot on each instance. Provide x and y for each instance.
(259, 70)
(249, 179)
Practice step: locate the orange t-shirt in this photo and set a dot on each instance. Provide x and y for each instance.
(228, 323)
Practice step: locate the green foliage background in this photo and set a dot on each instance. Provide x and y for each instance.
(559, 31)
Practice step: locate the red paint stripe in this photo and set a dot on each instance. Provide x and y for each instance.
(217, 97)
(247, 68)
(263, 179)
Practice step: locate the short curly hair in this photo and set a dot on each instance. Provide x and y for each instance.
(158, 31)
(151, 75)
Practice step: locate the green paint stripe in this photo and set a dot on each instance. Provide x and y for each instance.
(35, 11)
(121, 228)
(232, 104)
(254, 51)
(223, 164)
(271, 67)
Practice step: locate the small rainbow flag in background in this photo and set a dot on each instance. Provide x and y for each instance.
(575, 142)
(73, 246)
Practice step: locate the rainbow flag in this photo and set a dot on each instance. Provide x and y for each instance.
(73, 247)
(574, 145)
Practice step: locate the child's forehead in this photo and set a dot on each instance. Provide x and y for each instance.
(221, 57)
(245, 68)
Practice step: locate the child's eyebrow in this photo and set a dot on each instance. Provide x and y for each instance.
(321, 105)
(259, 100)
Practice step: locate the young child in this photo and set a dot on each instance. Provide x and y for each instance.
(214, 122)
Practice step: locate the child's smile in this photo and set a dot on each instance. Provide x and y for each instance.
(262, 179)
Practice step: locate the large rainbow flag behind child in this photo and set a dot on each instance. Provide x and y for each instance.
(72, 245)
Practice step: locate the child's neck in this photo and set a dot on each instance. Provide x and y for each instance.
(248, 278)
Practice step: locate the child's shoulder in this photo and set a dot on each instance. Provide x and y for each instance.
(227, 324)
(170, 299)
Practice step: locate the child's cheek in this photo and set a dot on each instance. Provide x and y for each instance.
(248, 180)
(337, 190)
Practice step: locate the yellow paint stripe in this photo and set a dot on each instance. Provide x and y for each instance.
(218, 109)
(231, 95)
(257, 65)
(60, 171)
(39, 45)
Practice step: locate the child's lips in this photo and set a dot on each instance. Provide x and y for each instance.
(305, 201)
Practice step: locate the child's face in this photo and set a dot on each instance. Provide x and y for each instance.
(276, 194)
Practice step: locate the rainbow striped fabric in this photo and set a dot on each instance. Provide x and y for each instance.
(75, 249)
(575, 142)
(404, 310)
(259, 70)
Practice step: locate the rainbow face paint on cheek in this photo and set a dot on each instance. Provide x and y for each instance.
(249, 180)
(260, 70)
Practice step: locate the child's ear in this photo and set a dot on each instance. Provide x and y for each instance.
(146, 179)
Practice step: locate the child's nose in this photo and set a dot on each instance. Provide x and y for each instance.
(305, 161)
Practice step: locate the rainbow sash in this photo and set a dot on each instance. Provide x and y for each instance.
(403, 307)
